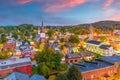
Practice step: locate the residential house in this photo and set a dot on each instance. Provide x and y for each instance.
(17, 76)
(86, 55)
(37, 77)
(10, 44)
(28, 53)
(23, 76)
(72, 58)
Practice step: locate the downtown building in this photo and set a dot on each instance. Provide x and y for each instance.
(99, 48)
(14, 64)
(103, 68)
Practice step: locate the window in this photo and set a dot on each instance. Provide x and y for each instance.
(92, 76)
(75, 60)
(71, 61)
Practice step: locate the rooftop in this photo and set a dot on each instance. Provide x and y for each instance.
(37, 77)
(73, 56)
(97, 64)
(94, 42)
(23, 76)
(105, 46)
(37, 37)
(86, 53)
(111, 59)
(14, 63)
(17, 76)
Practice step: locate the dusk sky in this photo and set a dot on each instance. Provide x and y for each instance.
(58, 12)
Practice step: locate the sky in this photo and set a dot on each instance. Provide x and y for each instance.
(57, 12)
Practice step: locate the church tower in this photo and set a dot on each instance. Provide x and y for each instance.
(91, 32)
(42, 34)
(41, 37)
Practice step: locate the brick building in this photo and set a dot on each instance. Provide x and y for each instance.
(100, 68)
(8, 66)
(96, 69)
(77, 57)
(72, 58)
(10, 44)
(114, 60)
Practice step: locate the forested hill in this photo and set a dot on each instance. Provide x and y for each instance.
(105, 24)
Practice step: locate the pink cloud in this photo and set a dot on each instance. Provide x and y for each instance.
(107, 3)
(116, 17)
(56, 5)
(27, 1)
(24, 1)
(63, 4)
(110, 2)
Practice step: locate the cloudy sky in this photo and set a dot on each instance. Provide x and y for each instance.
(57, 12)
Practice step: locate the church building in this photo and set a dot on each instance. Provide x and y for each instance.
(41, 37)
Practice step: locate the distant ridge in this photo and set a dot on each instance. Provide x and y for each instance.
(105, 24)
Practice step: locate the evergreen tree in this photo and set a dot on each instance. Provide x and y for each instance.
(61, 76)
(74, 73)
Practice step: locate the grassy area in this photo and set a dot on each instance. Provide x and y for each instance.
(1, 44)
(98, 56)
(52, 77)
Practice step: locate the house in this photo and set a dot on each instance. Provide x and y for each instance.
(24, 45)
(86, 55)
(23, 76)
(99, 47)
(107, 50)
(18, 43)
(54, 46)
(17, 76)
(52, 40)
(93, 70)
(14, 64)
(17, 51)
(72, 58)
(28, 53)
(10, 44)
(116, 32)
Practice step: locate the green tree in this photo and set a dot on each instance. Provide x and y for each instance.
(63, 67)
(3, 38)
(51, 32)
(4, 54)
(15, 36)
(49, 61)
(103, 39)
(86, 39)
(74, 39)
(43, 69)
(74, 73)
(62, 76)
(62, 40)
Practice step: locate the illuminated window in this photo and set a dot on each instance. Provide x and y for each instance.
(92, 76)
